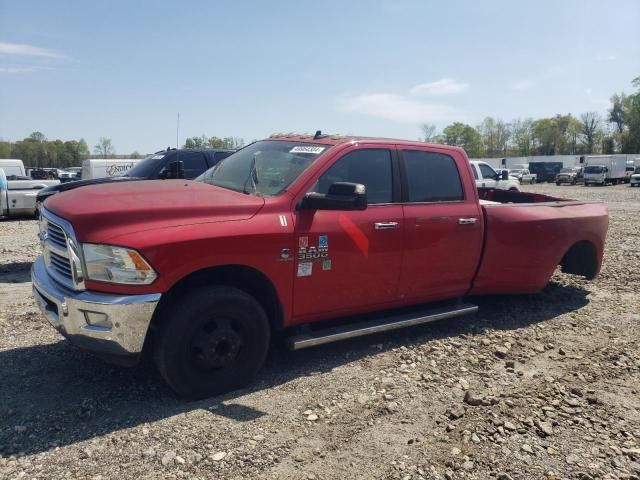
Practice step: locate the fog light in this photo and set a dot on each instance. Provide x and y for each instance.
(97, 319)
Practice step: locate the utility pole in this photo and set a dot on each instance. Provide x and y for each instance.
(178, 131)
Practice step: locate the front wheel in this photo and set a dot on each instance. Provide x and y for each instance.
(212, 341)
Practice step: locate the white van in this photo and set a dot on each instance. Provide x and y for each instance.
(12, 167)
(107, 167)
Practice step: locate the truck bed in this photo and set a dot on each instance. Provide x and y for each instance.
(527, 235)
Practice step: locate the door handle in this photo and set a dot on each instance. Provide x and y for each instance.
(385, 225)
(467, 221)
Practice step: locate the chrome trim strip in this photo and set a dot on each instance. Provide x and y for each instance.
(367, 328)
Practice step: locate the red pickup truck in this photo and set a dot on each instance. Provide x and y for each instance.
(318, 237)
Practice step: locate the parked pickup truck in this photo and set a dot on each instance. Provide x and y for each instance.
(316, 238)
(158, 165)
(486, 177)
(523, 175)
(18, 197)
(571, 175)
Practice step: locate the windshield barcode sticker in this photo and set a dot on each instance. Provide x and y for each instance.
(306, 149)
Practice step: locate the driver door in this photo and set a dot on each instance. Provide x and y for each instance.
(349, 261)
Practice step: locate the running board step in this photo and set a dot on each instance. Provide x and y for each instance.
(360, 329)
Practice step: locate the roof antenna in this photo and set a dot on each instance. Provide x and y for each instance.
(317, 135)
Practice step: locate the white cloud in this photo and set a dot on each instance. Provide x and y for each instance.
(604, 57)
(27, 50)
(12, 69)
(522, 85)
(399, 108)
(439, 88)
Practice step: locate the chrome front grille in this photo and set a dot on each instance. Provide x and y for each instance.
(61, 251)
(61, 264)
(56, 235)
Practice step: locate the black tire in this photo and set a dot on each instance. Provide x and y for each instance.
(212, 341)
(558, 183)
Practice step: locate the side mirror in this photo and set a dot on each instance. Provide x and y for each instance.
(505, 175)
(341, 196)
(176, 169)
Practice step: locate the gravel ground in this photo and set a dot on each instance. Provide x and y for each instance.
(535, 386)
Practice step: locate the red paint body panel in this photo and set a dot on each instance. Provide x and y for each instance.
(182, 227)
(525, 243)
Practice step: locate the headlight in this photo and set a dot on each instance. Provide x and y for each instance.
(107, 263)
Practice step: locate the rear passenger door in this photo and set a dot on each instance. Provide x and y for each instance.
(442, 226)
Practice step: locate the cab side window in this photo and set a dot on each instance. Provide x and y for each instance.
(194, 163)
(487, 171)
(432, 177)
(370, 167)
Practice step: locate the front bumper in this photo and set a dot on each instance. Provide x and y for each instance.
(564, 179)
(112, 325)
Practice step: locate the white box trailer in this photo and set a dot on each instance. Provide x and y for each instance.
(603, 169)
(107, 167)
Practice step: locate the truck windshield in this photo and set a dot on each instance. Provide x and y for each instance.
(264, 168)
(593, 169)
(566, 170)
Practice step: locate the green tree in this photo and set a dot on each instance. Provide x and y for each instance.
(631, 139)
(495, 136)
(617, 111)
(522, 136)
(464, 136)
(591, 129)
(428, 132)
(196, 142)
(213, 142)
(5, 149)
(104, 147)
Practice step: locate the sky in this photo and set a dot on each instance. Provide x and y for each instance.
(124, 69)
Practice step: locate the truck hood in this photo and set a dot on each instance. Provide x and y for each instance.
(102, 212)
(64, 187)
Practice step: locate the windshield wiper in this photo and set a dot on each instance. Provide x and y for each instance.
(253, 176)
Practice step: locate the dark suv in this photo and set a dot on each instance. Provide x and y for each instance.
(171, 163)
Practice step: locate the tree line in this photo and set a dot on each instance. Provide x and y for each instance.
(230, 143)
(590, 133)
(37, 151)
